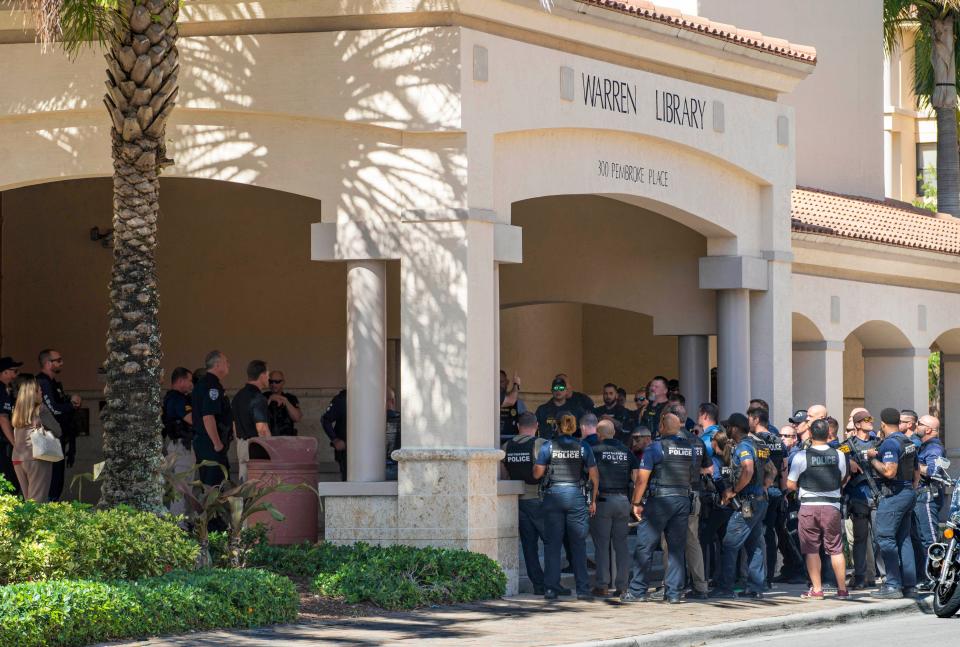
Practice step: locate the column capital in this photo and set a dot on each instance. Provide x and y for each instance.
(819, 345)
(733, 273)
(896, 352)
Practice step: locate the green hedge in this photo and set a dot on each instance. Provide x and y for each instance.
(72, 541)
(393, 577)
(76, 612)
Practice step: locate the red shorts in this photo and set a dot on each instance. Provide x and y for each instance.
(819, 525)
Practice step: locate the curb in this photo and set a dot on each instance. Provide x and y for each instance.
(731, 630)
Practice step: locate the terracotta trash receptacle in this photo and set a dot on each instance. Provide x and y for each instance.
(292, 460)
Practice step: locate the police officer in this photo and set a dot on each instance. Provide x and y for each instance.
(745, 528)
(930, 496)
(759, 419)
(334, 423)
(612, 410)
(704, 470)
(656, 401)
(520, 455)
(895, 460)
(564, 460)
(64, 409)
(862, 497)
(177, 419)
(908, 425)
(661, 501)
(8, 371)
(283, 409)
(511, 406)
(212, 418)
(819, 473)
(550, 412)
(618, 469)
(250, 413)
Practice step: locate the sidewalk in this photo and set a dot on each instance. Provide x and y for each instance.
(528, 621)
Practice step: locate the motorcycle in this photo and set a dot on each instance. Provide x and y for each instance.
(943, 563)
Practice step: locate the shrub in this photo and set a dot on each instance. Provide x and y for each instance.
(393, 577)
(72, 541)
(77, 612)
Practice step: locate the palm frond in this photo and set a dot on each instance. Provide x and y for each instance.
(74, 24)
(896, 15)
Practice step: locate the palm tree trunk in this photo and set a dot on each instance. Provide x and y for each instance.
(944, 102)
(141, 92)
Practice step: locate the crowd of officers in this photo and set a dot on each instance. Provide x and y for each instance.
(727, 501)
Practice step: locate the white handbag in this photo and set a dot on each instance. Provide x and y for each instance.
(46, 447)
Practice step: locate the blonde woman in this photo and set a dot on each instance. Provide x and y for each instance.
(34, 475)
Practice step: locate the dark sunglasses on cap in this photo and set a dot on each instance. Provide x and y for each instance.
(275, 381)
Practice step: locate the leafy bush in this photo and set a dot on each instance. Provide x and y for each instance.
(393, 577)
(72, 541)
(72, 612)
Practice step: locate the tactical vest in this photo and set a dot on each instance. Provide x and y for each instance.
(907, 464)
(777, 452)
(762, 454)
(822, 474)
(699, 449)
(566, 461)
(520, 458)
(859, 446)
(676, 471)
(613, 463)
(508, 420)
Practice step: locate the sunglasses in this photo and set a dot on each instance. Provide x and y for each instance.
(559, 388)
(868, 419)
(788, 435)
(275, 381)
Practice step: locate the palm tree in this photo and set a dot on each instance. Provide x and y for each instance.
(142, 68)
(935, 78)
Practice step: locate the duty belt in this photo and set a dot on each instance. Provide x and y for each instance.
(602, 498)
(671, 491)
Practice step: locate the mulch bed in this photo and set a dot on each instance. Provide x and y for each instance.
(314, 607)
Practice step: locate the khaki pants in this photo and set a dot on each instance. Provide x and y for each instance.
(694, 552)
(34, 477)
(184, 462)
(243, 457)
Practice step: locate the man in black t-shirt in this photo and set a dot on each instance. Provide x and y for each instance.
(550, 412)
(8, 371)
(283, 409)
(250, 413)
(212, 418)
(612, 410)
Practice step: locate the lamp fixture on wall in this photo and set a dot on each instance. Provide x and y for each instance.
(105, 237)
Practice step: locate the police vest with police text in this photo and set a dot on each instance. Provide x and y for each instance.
(777, 452)
(822, 474)
(907, 464)
(521, 454)
(677, 469)
(566, 461)
(508, 420)
(613, 463)
(762, 452)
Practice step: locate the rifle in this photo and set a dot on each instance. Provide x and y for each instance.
(847, 448)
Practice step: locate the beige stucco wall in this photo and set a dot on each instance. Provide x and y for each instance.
(839, 108)
(234, 270)
(593, 345)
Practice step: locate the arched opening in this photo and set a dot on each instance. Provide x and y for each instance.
(606, 292)
(234, 271)
(945, 388)
(882, 368)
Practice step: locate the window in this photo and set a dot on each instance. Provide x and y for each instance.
(926, 169)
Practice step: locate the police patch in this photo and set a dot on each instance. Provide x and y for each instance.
(214, 394)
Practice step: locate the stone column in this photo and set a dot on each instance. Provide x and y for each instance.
(951, 404)
(818, 376)
(693, 355)
(366, 370)
(896, 377)
(447, 482)
(733, 350)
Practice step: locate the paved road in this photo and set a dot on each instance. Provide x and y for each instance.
(899, 630)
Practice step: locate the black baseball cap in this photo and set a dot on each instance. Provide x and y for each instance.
(890, 416)
(800, 415)
(737, 420)
(9, 362)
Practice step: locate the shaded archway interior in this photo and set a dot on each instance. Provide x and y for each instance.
(603, 291)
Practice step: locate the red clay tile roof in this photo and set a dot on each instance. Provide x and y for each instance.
(889, 222)
(753, 39)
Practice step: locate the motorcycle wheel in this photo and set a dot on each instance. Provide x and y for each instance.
(946, 600)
